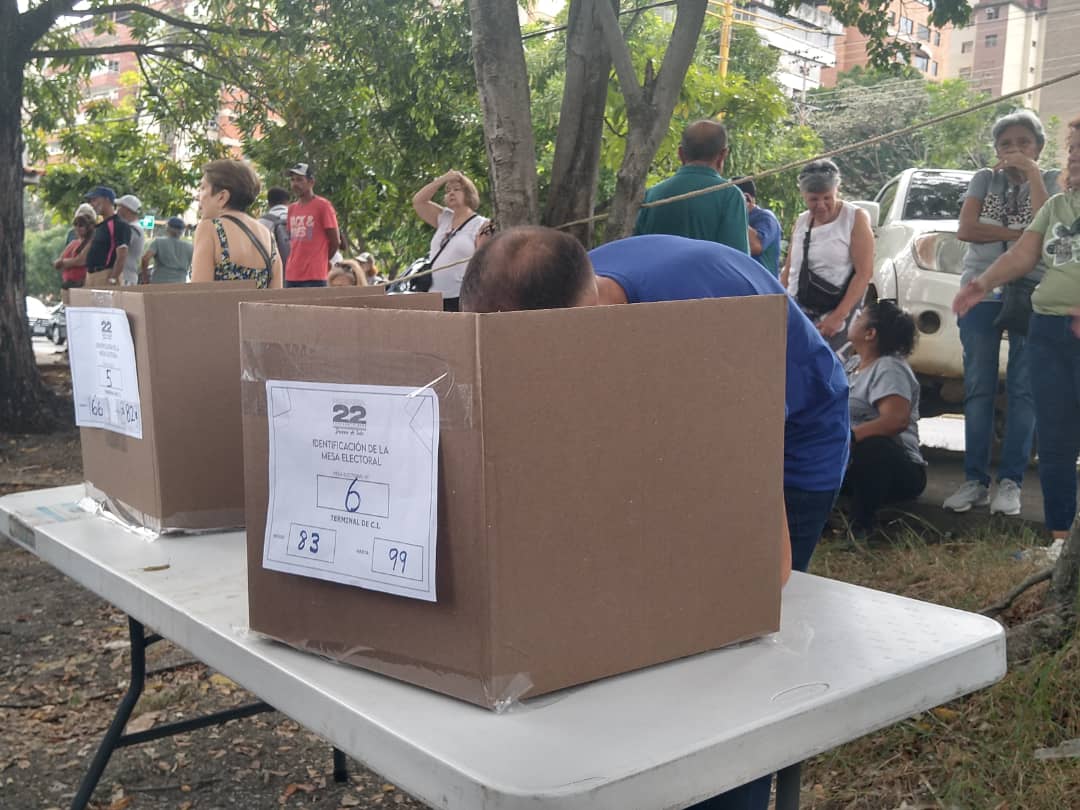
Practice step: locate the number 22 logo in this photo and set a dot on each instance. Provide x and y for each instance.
(353, 414)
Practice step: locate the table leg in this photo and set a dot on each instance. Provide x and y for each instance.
(115, 737)
(788, 784)
(139, 644)
(341, 767)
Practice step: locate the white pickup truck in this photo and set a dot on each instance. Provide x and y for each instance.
(917, 262)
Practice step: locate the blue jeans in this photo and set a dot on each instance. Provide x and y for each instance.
(982, 343)
(1054, 354)
(807, 513)
(313, 283)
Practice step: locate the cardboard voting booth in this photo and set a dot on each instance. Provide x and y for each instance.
(608, 488)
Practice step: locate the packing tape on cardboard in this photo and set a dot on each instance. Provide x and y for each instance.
(150, 528)
(503, 694)
(261, 361)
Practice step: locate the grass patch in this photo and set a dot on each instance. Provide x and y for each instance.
(972, 753)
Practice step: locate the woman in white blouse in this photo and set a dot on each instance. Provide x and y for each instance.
(831, 259)
(456, 225)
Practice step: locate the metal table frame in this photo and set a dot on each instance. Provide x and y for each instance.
(847, 661)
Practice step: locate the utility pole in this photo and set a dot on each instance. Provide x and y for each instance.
(728, 19)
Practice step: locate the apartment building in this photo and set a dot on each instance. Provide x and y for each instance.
(1014, 44)
(1003, 49)
(909, 22)
(805, 38)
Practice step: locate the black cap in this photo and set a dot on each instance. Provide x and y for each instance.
(302, 169)
(746, 186)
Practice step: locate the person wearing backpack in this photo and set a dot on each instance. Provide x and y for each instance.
(276, 219)
(108, 247)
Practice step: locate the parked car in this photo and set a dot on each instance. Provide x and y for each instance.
(37, 316)
(918, 261)
(57, 328)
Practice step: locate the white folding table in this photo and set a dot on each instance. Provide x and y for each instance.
(847, 661)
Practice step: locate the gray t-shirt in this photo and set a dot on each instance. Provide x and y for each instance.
(1005, 205)
(172, 260)
(886, 376)
(134, 257)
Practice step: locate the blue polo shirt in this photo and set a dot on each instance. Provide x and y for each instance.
(672, 268)
(765, 223)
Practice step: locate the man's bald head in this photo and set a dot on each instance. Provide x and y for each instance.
(528, 268)
(704, 141)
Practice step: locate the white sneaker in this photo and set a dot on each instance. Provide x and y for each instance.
(1006, 499)
(970, 494)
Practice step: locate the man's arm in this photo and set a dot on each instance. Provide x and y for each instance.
(785, 553)
(752, 236)
(118, 263)
(144, 275)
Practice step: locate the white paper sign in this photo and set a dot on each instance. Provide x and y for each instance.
(353, 485)
(104, 381)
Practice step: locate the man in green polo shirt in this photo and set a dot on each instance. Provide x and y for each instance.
(716, 217)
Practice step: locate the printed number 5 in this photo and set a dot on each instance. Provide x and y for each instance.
(108, 377)
(352, 497)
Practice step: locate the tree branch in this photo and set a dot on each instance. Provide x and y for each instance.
(680, 51)
(1011, 596)
(160, 49)
(178, 22)
(620, 57)
(36, 22)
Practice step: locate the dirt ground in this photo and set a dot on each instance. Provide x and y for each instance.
(64, 666)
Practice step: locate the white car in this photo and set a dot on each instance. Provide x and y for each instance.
(37, 316)
(917, 262)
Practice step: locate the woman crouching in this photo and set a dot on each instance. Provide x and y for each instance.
(886, 465)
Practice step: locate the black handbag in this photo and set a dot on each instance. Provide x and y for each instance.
(1015, 314)
(815, 295)
(423, 283)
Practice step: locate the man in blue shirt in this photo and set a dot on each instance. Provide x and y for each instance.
(541, 268)
(764, 233)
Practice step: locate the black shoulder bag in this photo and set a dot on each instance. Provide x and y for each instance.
(423, 284)
(815, 295)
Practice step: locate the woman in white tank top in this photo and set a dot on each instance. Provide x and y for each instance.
(840, 255)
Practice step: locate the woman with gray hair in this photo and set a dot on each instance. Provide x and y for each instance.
(831, 259)
(1001, 202)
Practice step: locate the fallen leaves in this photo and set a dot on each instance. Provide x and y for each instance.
(144, 722)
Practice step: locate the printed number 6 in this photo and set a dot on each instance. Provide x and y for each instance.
(352, 505)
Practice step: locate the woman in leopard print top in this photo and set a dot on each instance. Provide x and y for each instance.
(1001, 202)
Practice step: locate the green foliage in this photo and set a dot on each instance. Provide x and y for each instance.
(113, 148)
(758, 115)
(385, 103)
(867, 103)
(42, 249)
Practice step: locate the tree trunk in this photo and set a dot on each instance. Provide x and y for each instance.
(1052, 628)
(26, 405)
(503, 82)
(576, 168)
(649, 106)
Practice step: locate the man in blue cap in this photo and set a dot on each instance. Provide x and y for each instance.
(108, 247)
(171, 255)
